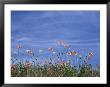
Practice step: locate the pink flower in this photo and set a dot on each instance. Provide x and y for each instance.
(18, 46)
(90, 55)
(50, 49)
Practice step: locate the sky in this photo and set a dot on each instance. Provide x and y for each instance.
(36, 30)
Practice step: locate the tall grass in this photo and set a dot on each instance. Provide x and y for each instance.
(57, 70)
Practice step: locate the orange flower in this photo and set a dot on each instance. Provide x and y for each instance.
(68, 53)
(18, 46)
(72, 53)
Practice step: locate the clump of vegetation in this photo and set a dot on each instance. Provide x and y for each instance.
(49, 70)
(56, 66)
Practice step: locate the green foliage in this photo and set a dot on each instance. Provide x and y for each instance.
(49, 70)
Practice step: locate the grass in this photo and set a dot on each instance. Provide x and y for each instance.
(50, 70)
(54, 68)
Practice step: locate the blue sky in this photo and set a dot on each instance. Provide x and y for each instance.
(41, 29)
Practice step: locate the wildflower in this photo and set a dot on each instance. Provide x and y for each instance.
(27, 65)
(29, 52)
(18, 46)
(90, 55)
(62, 63)
(72, 53)
(50, 49)
(68, 53)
